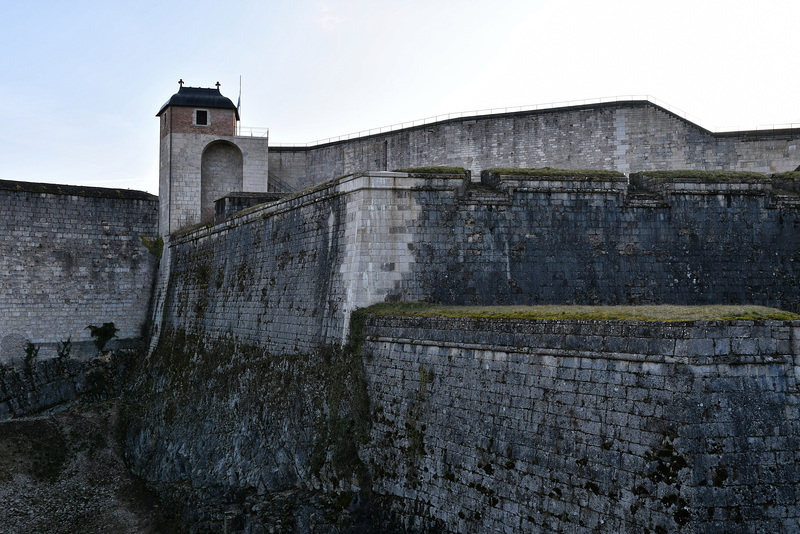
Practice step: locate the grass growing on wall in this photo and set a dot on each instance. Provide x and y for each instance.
(556, 173)
(700, 175)
(662, 312)
(793, 175)
(434, 170)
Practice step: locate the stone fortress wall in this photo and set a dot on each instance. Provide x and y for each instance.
(620, 136)
(608, 426)
(295, 269)
(544, 426)
(71, 257)
(585, 426)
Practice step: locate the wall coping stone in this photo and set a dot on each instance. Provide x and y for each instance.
(348, 184)
(75, 190)
(696, 342)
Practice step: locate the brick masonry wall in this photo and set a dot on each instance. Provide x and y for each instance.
(221, 122)
(583, 426)
(69, 261)
(625, 137)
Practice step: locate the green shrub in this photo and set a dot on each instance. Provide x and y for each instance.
(102, 334)
(64, 348)
(31, 353)
(154, 245)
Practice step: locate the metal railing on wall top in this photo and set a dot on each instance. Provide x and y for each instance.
(517, 109)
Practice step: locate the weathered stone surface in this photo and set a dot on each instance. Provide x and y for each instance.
(30, 388)
(70, 257)
(476, 424)
(620, 136)
(231, 434)
(536, 437)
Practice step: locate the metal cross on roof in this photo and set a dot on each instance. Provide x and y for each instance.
(218, 84)
(180, 82)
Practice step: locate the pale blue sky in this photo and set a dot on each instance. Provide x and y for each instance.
(81, 81)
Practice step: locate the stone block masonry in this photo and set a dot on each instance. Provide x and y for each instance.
(197, 169)
(585, 426)
(590, 240)
(286, 275)
(483, 426)
(56, 381)
(289, 273)
(69, 257)
(620, 136)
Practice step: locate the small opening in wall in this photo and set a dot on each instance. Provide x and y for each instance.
(201, 117)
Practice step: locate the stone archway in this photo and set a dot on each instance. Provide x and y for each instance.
(220, 173)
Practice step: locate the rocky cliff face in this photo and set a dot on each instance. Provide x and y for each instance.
(28, 388)
(237, 439)
(61, 463)
(63, 473)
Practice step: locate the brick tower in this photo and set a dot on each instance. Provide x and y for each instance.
(202, 158)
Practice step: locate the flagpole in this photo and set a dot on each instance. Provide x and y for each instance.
(239, 105)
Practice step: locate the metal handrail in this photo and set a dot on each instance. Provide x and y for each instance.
(277, 185)
(516, 109)
(252, 131)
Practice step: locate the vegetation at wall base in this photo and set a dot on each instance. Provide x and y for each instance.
(654, 313)
(64, 348)
(155, 245)
(31, 355)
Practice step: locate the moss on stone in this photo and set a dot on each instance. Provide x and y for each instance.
(793, 175)
(434, 170)
(549, 172)
(714, 176)
(656, 313)
(75, 190)
(189, 229)
(155, 245)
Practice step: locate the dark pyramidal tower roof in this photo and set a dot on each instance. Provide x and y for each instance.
(199, 97)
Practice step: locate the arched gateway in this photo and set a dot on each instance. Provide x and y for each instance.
(201, 157)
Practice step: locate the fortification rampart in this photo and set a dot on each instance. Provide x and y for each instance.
(609, 426)
(475, 425)
(71, 257)
(585, 426)
(622, 136)
(293, 270)
(290, 272)
(595, 240)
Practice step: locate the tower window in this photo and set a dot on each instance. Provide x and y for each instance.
(201, 117)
